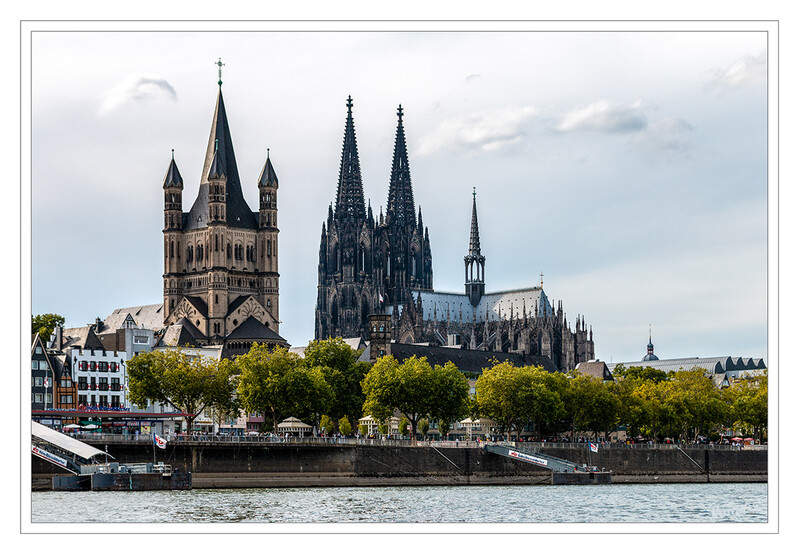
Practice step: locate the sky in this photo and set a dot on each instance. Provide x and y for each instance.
(630, 168)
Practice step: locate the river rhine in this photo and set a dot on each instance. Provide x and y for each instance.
(655, 503)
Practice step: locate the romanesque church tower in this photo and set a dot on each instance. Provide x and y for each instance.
(221, 277)
(366, 265)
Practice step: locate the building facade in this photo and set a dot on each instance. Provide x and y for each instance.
(385, 266)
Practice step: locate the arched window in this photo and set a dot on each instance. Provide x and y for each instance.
(189, 253)
(228, 251)
(216, 243)
(171, 248)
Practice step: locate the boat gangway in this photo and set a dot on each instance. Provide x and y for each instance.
(62, 450)
(563, 471)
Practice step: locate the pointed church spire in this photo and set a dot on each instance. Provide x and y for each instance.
(474, 237)
(172, 177)
(400, 210)
(220, 146)
(349, 196)
(268, 176)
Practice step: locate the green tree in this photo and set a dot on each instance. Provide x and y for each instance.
(424, 427)
(382, 428)
(344, 426)
(44, 325)
(275, 382)
(189, 383)
(639, 372)
(512, 396)
(327, 424)
(695, 402)
(748, 405)
(443, 428)
(222, 400)
(404, 425)
(415, 389)
(592, 404)
(343, 372)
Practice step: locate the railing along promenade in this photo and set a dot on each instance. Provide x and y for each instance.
(94, 438)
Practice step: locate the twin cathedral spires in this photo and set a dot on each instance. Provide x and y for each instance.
(366, 265)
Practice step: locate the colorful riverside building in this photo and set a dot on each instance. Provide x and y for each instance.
(384, 266)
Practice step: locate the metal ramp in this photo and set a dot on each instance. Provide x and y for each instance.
(551, 463)
(60, 449)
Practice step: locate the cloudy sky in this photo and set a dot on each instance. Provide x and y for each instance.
(628, 167)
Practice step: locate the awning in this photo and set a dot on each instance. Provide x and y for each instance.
(293, 424)
(65, 442)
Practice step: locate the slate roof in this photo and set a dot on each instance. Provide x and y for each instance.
(595, 368)
(172, 177)
(220, 145)
(181, 333)
(81, 337)
(238, 301)
(717, 365)
(252, 329)
(467, 361)
(149, 316)
(498, 305)
(199, 303)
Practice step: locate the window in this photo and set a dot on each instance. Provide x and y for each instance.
(42, 364)
(66, 383)
(141, 339)
(37, 381)
(82, 384)
(103, 400)
(38, 350)
(34, 364)
(115, 384)
(66, 399)
(82, 399)
(37, 398)
(93, 365)
(48, 398)
(103, 366)
(103, 383)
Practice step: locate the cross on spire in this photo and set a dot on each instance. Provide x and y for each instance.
(349, 104)
(220, 64)
(399, 111)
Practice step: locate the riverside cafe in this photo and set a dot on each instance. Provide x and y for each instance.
(108, 421)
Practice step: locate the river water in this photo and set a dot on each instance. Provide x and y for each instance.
(651, 503)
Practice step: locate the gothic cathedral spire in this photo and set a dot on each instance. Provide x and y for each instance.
(474, 262)
(349, 196)
(400, 210)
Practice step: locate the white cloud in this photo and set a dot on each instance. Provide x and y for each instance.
(137, 88)
(746, 72)
(604, 117)
(487, 131)
(666, 136)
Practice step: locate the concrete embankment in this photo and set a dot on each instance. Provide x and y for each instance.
(247, 465)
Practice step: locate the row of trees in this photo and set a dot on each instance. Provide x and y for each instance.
(273, 382)
(330, 389)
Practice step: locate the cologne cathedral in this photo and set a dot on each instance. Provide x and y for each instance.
(384, 266)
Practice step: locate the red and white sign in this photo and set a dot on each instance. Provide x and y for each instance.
(45, 455)
(527, 457)
(159, 441)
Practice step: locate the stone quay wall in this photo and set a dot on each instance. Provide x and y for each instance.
(245, 465)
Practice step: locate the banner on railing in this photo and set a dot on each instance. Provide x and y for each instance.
(528, 457)
(45, 455)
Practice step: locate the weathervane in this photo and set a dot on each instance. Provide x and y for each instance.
(220, 64)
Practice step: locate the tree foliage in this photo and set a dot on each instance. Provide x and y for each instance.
(276, 382)
(415, 389)
(341, 369)
(44, 325)
(189, 383)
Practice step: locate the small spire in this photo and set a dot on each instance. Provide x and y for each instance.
(173, 154)
(399, 112)
(219, 64)
(542, 279)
